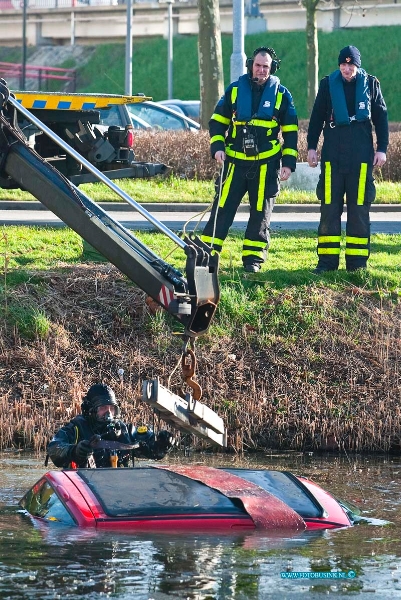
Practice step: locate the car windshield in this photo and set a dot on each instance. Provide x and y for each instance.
(192, 110)
(156, 117)
(162, 493)
(110, 116)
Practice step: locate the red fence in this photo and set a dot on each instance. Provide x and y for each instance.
(42, 75)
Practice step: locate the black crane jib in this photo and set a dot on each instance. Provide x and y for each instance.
(191, 298)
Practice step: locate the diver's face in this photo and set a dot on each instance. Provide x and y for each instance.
(106, 413)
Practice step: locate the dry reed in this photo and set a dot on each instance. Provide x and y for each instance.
(337, 384)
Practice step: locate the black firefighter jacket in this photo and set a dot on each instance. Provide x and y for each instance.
(273, 110)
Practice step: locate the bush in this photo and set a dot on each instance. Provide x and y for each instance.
(188, 154)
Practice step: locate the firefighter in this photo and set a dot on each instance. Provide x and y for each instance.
(244, 132)
(347, 103)
(74, 445)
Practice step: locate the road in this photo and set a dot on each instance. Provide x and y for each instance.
(384, 218)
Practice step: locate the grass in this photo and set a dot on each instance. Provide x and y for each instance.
(174, 189)
(291, 257)
(377, 57)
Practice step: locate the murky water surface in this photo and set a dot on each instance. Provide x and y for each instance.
(56, 562)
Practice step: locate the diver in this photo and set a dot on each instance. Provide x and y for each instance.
(97, 437)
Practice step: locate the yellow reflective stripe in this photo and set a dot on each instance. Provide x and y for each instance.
(356, 240)
(260, 156)
(234, 94)
(290, 151)
(328, 250)
(289, 128)
(217, 138)
(327, 183)
(76, 434)
(258, 123)
(329, 239)
(261, 188)
(279, 100)
(266, 124)
(220, 119)
(357, 252)
(254, 243)
(362, 184)
(258, 253)
(226, 185)
(208, 240)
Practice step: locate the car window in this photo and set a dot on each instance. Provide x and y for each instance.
(110, 116)
(284, 486)
(161, 493)
(42, 501)
(156, 117)
(176, 108)
(192, 110)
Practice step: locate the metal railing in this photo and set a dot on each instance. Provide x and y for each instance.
(42, 75)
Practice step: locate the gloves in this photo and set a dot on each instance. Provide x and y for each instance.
(163, 443)
(151, 446)
(83, 450)
(165, 439)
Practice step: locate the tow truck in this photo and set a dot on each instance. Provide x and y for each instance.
(75, 118)
(191, 299)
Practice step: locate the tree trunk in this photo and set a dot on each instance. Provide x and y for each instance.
(210, 58)
(312, 51)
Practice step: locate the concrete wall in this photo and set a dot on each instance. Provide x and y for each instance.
(96, 24)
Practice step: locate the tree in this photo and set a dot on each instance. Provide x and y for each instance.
(312, 50)
(210, 58)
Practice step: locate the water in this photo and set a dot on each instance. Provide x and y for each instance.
(49, 562)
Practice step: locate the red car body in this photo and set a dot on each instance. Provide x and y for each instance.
(176, 498)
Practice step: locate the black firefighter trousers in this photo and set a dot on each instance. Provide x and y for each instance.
(357, 185)
(261, 181)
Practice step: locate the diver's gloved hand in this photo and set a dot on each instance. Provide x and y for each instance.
(83, 450)
(163, 443)
(95, 439)
(151, 446)
(165, 439)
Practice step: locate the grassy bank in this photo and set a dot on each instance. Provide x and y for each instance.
(377, 57)
(174, 189)
(291, 361)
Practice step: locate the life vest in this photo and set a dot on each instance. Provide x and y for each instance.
(362, 98)
(267, 101)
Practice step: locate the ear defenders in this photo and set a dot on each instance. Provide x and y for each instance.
(275, 59)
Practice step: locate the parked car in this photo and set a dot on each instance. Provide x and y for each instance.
(190, 108)
(146, 114)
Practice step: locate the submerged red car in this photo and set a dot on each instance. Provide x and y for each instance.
(193, 497)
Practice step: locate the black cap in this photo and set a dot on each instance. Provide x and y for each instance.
(101, 393)
(98, 394)
(350, 55)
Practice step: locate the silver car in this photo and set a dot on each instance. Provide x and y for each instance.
(145, 115)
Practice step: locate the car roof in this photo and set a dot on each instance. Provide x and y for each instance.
(178, 101)
(191, 123)
(187, 106)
